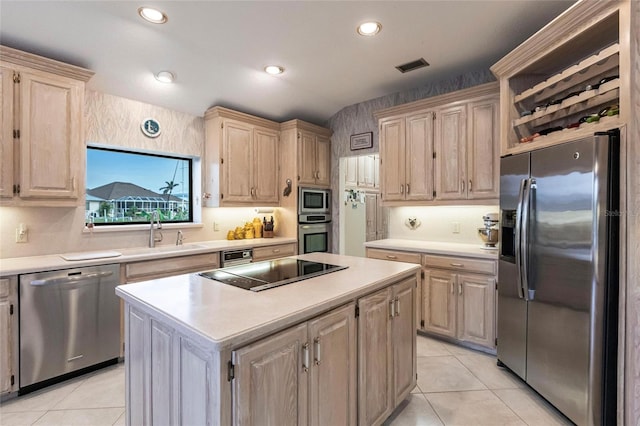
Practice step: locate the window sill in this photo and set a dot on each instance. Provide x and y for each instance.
(139, 227)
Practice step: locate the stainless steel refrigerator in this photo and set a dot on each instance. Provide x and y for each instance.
(558, 274)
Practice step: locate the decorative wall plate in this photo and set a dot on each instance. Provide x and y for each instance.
(150, 127)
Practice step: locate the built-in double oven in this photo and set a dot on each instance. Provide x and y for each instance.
(314, 220)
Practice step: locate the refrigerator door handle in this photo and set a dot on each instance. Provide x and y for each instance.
(524, 271)
(517, 239)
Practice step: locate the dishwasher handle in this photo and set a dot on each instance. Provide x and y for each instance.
(71, 279)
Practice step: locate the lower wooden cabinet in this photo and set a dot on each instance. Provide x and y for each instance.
(8, 334)
(386, 347)
(274, 251)
(303, 375)
(460, 305)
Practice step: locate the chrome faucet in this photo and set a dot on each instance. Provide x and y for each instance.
(153, 238)
(179, 238)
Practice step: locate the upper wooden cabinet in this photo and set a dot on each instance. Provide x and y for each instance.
(441, 150)
(363, 172)
(306, 156)
(42, 142)
(466, 153)
(241, 159)
(575, 67)
(314, 159)
(406, 158)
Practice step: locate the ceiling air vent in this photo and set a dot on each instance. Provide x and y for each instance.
(413, 65)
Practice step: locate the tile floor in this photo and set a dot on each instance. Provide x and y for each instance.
(456, 386)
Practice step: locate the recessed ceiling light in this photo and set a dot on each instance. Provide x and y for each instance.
(369, 28)
(152, 15)
(273, 69)
(165, 77)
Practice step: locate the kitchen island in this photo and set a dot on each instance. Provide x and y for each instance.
(334, 349)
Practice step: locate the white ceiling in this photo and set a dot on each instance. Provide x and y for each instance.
(218, 49)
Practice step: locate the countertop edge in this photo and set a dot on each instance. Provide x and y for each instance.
(432, 247)
(51, 262)
(259, 331)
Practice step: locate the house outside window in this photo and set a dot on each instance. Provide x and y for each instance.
(124, 187)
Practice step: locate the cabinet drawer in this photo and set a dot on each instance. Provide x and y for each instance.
(272, 252)
(461, 264)
(139, 271)
(4, 287)
(396, 256)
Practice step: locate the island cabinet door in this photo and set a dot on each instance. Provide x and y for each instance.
(375, 358)
(404, 339)
(270, 386)
(333, 368)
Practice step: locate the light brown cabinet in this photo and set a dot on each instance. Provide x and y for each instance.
(386, 347)
(441, 150)
(466, 151)
(42, 130)
(152, 269)
(274, 251)
(458, 299)
(363, 172)
(406, 158)
(303, 375)
(241, 159)
(8, 334)
(314, 159)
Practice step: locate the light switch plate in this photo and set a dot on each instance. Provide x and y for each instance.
(22, 234)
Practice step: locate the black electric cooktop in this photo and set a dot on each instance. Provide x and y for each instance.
(273, 273)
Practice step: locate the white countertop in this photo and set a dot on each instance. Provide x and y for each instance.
(432, 247)
(24, 265)
(228, 317)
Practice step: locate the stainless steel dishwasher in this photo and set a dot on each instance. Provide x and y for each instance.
(69, 322)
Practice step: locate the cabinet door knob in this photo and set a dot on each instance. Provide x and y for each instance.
(390, 256)
(407, 188)
(459, 288)
(451, 287)
(462, 181)
(392, 308)
(276, 250)
(402, 189)
(397, 306)
(457, 265)
(470, 187)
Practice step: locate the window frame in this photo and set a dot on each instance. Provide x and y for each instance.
(193, 167)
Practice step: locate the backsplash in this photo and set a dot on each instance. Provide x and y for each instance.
(437, 223)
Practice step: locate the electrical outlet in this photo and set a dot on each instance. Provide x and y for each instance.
(22, 233)
(455, 227)
(216, 226)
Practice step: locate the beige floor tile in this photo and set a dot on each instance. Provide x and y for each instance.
(42, 400)
(416, 389)
(121, 420)
(20, 419)
(531, 408)
(444, 374)
(477, 408)
(414, 411)
(484, 367)
(102, 390)
(89, 417)
(430, 347)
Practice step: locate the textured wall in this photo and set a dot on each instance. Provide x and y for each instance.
(115, 121)
(359, 118)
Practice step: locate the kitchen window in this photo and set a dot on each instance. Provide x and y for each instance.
(125, 188)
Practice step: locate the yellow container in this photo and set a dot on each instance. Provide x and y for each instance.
(231, 235)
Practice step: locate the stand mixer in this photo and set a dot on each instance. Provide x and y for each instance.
(489, 233)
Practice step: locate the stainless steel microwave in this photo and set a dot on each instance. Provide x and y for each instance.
(314, 201)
